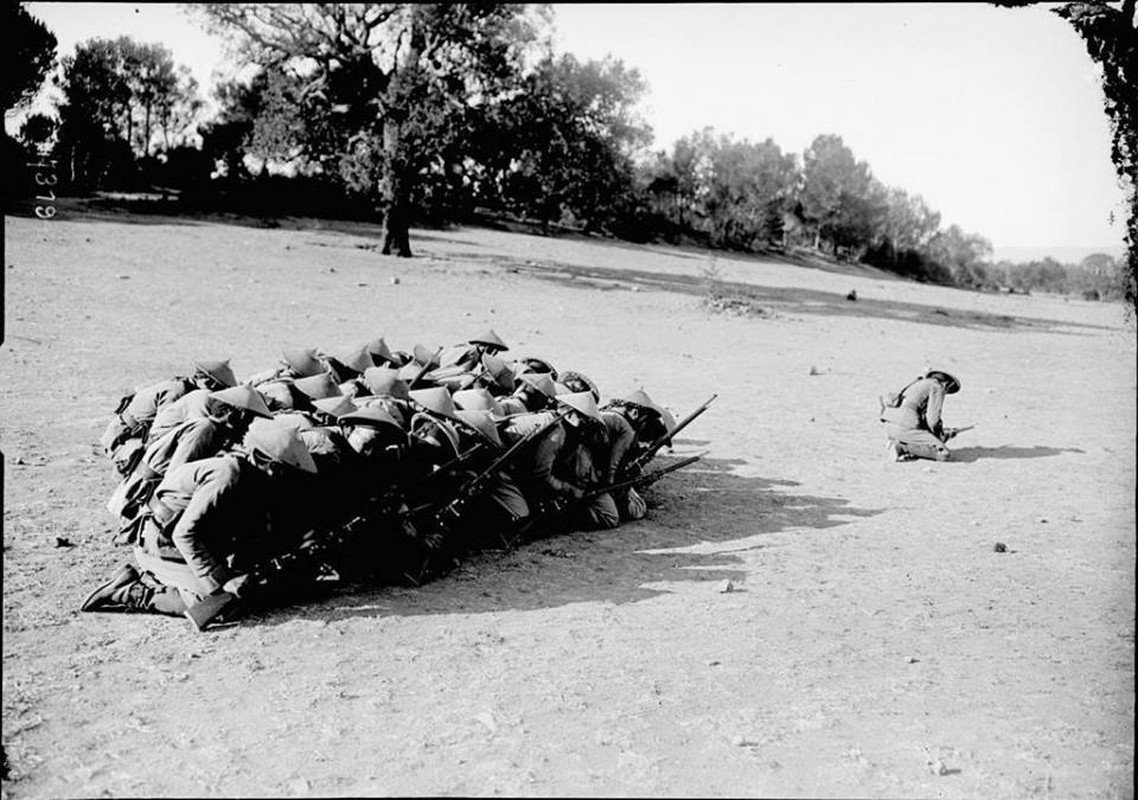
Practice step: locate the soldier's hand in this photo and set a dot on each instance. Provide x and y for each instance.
(238, 587)
(637, 508)
(575, 491)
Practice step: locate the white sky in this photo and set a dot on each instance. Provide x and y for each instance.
(993, 115)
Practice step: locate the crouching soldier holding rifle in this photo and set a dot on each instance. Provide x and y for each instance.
(561, 471)
(197, 518)
(490, 499)
(912, 418)
(637, 464)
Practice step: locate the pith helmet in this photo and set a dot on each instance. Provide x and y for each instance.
(481, 422)
(576, 382)
(294, 419)
(398, 409)
(336, 406)
(583, 402)
(303, 362)
(356, 359)
(489, 338)
(220, 371)
(951, 384)
(280, 395)
(318, 386)
(380, 352)
(425, 356)
(385, 381)
(542, 381)
(425, 422)
(436, 400)
(499, 370)
(530, 364)
(639, 397)
(279, 442)
(372, 417)
(244, 397)
(475, 400)
(411, 370)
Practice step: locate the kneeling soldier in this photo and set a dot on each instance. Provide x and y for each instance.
(124, 438)
(913, 426)
(198, 516)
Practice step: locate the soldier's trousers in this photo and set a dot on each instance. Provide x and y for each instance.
(917, 442)
(177, 587)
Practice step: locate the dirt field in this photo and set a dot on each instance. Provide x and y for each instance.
(874, 645)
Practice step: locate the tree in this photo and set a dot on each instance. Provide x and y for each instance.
(228, 137)
(119, 95)
(562, 144)
(962, 254)
(29, 54)
(909, 223)
(1111, 35)
(377, 78)
(749, 186)
(838, 200)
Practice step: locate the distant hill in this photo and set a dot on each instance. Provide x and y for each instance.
(1064, 255)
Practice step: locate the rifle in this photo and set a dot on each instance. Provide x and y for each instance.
(312, 550)
(640, 461)
(644, 480)
(950, 433)
(557, 504)
(450, 511)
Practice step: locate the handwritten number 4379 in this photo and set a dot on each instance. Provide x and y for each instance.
(44, 182)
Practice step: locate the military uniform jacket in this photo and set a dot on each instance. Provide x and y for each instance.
(539, 471)
(192, 405)
(134, 420)
(206, 506)
(921, 406)
(619, 437)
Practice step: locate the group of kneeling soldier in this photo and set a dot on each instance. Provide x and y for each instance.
(368, 463)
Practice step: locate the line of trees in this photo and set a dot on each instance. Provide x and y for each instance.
(404, 112)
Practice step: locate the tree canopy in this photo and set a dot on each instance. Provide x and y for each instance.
(29, 54)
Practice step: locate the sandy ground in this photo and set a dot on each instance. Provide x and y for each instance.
(874, 645)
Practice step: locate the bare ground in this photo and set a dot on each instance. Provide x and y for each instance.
(875, 643)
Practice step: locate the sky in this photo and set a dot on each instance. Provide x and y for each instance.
(993, 115)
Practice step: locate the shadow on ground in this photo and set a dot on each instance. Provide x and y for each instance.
(700, 520)
(970, 454)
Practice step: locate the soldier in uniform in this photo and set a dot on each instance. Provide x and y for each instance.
(488, 500)
(914, 427)
(630, 423)
(466, 358)
(296, 362)
(387, 391)
(556, 471)
(577, 382)
(381, 354)
(478, 399)
(124, 438)
(347, 366)
(496, 377)
(224, 421)
(535, 392)
(202, 513)
(242, 403)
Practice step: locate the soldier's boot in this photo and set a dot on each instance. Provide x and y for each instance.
(511, 532)
(123, 592)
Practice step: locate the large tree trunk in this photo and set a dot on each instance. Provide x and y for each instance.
(394, 194)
